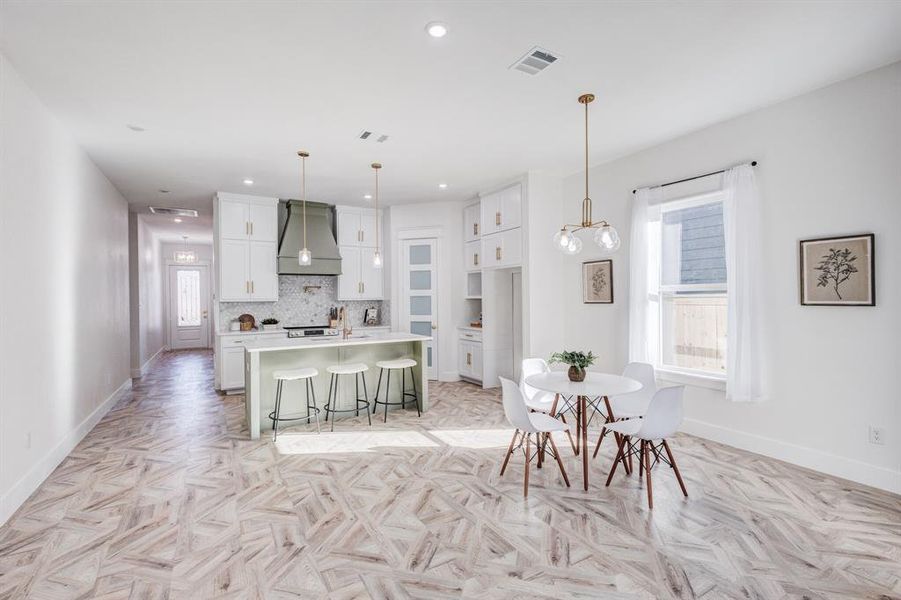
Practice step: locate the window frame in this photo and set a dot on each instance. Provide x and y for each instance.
(675, 373)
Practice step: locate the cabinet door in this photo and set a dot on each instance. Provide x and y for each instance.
(263, 271)
(367, 228)
(263, 222)
(476, 367)
(473, 256)
(464, 358)
(348, 228)
(490, 207)
(510, 209)
(349, 279)
(234, 271)
(370, 277)
(471, 223)
(489, 252)
(234, 221)
(510, 243)
(232, 363)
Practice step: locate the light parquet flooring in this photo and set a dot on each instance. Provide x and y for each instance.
(168, 498)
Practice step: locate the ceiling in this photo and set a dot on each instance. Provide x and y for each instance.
(231, 90)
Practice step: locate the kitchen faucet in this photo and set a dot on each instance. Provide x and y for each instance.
(342, 323)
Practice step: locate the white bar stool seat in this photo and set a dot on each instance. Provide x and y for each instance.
(400, 363)
(283, 375)
(357, 370)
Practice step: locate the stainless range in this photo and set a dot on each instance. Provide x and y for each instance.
(303, 332)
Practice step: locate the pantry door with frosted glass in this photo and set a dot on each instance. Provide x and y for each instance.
(419, 297)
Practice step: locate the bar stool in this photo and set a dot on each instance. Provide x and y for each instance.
(394, 365)
(281, 377)
(357, 370)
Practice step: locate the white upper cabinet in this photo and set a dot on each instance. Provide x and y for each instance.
(501, 210)
(471, 219)
(246, 232)
(356, 226)
(473, 255)
(502, 250)
(370, 277)
(359, 280)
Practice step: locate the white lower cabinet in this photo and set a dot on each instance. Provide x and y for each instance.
(469, 353)
(230, 357)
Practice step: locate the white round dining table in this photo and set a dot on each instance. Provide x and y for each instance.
(596, 385)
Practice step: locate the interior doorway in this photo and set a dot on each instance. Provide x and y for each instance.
(189, 306)
(419, 295)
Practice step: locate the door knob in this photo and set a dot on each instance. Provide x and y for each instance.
(434, 326)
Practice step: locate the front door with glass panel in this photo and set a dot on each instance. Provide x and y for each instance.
(419, 305)
(189, 323)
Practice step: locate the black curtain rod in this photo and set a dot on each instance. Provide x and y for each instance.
(753, 164)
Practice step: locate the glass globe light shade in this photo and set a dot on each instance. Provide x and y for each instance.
(377, 260)
(574, 247)
(607, 238)
(305, 258)
(562, 239)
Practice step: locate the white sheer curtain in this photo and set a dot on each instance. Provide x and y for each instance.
(643, 280)
(744, 352)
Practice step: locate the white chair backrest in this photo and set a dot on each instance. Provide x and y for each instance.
(531, 366)
(643, 373)
(664, 414)
(515, 406)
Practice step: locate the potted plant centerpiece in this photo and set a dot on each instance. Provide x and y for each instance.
(270, 324)
(577, 361)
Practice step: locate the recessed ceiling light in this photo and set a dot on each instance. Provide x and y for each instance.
(177, 220)
(436, 29)
(248, 182)
(442, 186)
(367, 196)
(135, 127)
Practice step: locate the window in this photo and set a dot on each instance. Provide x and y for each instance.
(188, 298)
(688, 251)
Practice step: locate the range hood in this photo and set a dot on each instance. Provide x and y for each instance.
(320, 238)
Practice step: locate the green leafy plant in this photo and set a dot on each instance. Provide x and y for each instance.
(579, 360)
(835, 268)
(270, 321)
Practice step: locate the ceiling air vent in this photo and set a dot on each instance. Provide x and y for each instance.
(177, 212)
(535, 61)
(372, 136)
(364, 135)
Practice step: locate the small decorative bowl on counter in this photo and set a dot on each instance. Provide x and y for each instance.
(270, 324)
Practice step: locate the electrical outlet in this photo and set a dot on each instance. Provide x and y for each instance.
(877, 435)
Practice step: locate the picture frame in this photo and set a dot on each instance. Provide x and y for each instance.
(838, 270)
(371, 316)
(597, 282)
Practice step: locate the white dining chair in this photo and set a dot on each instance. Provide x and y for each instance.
(634, 405)
(662, 420)
(527, 424)
(538, 400)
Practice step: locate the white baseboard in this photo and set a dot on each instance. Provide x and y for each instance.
(817, 460)
(448, 376)
(29, 482)
(135, 373)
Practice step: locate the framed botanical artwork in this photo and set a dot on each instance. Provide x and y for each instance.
(597, 282)
(838, 271)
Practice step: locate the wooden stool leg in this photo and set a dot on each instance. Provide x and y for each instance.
(672, 462)
(647, 470)
(550, 438)
(509, 452)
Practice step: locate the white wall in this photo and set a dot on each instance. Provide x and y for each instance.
(830, 163)
(447, 217)
(147, 301)
(64, 322)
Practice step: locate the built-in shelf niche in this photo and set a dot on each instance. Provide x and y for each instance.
(474, 286)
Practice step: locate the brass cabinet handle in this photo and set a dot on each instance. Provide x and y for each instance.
(251, 228)
(469, 358)
(362, 287)
(247, 287)
(497, 253)
(246, 227)
(475, 260)
(251, 286)
(475, 229)
(359, 235)
(497, 218)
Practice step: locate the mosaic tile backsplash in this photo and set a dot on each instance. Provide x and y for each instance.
(298, 307)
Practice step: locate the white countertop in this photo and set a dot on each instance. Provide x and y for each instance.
(282, 331)
(271, 345)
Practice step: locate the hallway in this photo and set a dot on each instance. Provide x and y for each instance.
(167, 498)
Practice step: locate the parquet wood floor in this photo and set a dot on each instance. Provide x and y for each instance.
(167, 498)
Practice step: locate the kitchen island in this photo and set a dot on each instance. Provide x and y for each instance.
(262, 357)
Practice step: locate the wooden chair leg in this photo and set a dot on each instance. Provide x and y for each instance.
(525, 484)
(557, 456)
(604, 433)
(641, 462)
(538, 447)
(672, 461)
(572, 442)
(647, 469)
(619, 457)
(509, 452)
